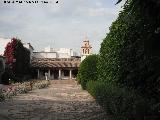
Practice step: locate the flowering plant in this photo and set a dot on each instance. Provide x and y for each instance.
(8, 91)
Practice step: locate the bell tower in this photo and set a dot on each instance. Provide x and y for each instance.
(85, 49)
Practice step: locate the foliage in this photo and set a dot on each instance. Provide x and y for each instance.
(148, 8)
(129, 56)
(110, 52)
(22, 56)
(18, 58)
(2, 67)
(9, 53)
(87, 70)
(120, 102)
(129, 66)
(6, 76)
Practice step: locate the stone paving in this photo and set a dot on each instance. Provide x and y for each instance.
(62, 100)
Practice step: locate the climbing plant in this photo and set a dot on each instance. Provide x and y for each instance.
(17, 58)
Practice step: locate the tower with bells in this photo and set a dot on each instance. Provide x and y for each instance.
(85, 49)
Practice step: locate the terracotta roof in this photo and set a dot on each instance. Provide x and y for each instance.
(55, 62)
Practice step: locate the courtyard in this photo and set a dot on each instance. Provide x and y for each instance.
(62, 100)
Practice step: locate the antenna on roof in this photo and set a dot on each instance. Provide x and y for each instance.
(53, 44)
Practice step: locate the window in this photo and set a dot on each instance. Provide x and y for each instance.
(86, 51)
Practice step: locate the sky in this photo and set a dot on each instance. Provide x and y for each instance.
(59, 25)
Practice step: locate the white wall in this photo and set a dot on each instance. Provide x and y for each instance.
(63, 55)
(83, 57)
(3, 43)
(55, 53)
(48, 49)
(45, 55)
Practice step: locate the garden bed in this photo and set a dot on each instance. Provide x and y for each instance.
(7, 91)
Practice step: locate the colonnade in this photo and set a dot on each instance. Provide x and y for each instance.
(59, 73)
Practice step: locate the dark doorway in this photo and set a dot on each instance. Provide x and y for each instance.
(34, 74)
(66, 72)
(74, 73)
(54, 74)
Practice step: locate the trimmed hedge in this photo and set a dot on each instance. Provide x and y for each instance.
(130, 55)
(87, 70)
(119, 102)
(128, 68)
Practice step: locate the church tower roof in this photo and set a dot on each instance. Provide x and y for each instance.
(85, 49)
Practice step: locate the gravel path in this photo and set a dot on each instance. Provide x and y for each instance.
(62, 100)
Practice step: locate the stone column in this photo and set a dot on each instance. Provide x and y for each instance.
(59, 74)
(70, 74)
(38, 73)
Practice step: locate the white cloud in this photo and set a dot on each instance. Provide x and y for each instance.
(102, 12)
(63, 24)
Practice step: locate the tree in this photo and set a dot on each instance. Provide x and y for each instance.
(88, 70)
(9, 53)
(148, 9)
(2, 68)
(18, 58)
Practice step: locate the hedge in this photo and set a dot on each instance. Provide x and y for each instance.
(121, 103)
(128, 68)
(87, 70)
(127, 84)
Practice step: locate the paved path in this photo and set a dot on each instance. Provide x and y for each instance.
(62, 100)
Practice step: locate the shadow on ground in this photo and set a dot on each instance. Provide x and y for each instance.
(50, 110)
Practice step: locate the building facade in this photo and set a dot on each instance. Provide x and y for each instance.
(56, 68)
(62, 63)
(3, 43)
(85, 49)
(49, 52)
(57, 63)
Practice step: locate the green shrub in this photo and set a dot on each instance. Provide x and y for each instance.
(130, 53)
(121, 103)
(130, 57)
(87, 70)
